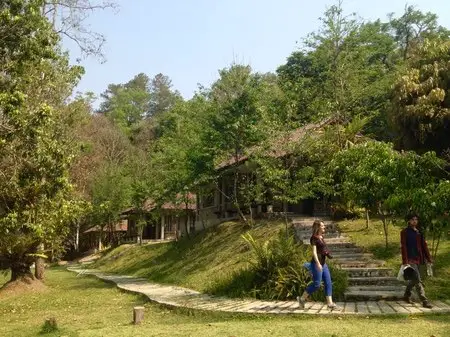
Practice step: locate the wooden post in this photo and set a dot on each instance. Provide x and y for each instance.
(138, 315)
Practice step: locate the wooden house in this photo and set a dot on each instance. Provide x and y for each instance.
(214, 204)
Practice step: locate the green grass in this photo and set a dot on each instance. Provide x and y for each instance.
(85, 306)
(214, 259)
(372, 239)
(201, 263)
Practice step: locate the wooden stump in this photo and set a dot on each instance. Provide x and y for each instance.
(138, 315)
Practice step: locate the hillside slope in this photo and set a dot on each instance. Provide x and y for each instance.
(199, 263)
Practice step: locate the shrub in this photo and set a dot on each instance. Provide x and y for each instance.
(276, 271)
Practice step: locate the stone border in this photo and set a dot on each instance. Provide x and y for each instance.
(187, 298)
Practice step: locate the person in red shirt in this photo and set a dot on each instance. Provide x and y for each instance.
(414, 253)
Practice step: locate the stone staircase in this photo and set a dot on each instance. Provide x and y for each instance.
(369, 279)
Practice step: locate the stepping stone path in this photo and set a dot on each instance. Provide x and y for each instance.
(182, 297)
(368, 279)
(372, 291)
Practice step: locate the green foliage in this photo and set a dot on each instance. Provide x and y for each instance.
(111, 194)
(410, 29)
(278, 267)
(126, 104)
(162, 97)
(375, 176)
(420, 108)
(278, 272)
(235, 123)
(35, 152)
(342, 71)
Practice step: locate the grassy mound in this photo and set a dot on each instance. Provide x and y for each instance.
(219, 261)
(198, 262)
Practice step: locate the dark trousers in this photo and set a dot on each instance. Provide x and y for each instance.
(417, 283)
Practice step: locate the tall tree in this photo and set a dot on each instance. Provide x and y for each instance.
(35, 153)
(162, 96)
(413, 27)
(342, 71)
(236, 123)
(127, 104)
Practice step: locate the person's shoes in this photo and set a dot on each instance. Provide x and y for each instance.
(408, 299)
(334, 307)
(427, 304)
(301, 302)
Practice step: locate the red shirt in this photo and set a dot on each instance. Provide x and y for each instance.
(414, 247)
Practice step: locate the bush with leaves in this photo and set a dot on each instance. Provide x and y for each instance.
(277, 269)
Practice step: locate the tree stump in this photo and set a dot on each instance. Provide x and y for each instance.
(138, 315)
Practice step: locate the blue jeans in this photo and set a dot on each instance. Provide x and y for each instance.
(318, 276)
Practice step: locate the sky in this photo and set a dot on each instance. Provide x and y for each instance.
(190, 40)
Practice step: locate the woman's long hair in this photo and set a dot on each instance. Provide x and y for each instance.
(316, 227)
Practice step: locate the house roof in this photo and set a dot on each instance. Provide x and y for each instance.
(149, 204)
(278, 145)
(120, 226)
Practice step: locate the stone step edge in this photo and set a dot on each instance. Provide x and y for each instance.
(373, 278)
(398, 287)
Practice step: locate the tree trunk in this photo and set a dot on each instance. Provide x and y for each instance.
(236, 202)
(39, 268)
(385, 223)
(367, 219)
(21, 270)
(39, 264)
(250, 210)
(186, 220)
(77, 238)
(385, 228)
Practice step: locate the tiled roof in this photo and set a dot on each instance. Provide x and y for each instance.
(120, 226)
(278, 146)
(150, 204)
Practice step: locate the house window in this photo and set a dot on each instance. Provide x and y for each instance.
(171, 223)
(208, 198)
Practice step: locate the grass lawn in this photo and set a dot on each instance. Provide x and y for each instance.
(85, 306)
(372, 239)
(210, 259)
(201, 263)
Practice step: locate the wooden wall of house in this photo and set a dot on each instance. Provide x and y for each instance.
(174, 223)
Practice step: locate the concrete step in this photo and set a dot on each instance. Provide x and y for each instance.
(360, 264)
(373, 294)
(309, 219)
(327, 236)
(307, 226)
(398, 287)
(331, 228)
(331, 241)
(347, 250)
(339, 246)
(367, 272)
(343, 256)
(377, 280)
